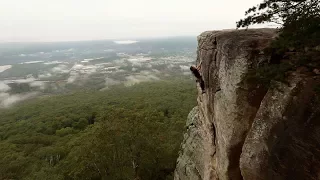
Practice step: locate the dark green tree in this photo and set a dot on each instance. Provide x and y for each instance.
(299, 21)
(298, 40)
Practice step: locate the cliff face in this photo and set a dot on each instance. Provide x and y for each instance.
(243, 130)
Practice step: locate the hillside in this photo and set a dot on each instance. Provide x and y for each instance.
(97, 135)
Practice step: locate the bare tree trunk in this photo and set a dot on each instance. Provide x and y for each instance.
(97, 169)
(136, 170)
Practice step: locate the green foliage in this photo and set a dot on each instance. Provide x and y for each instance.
(299, 20)
(299, 33)
(52, 137)
(266, 73)
(65, 131)
(280, 11)
(22, 70)
(20, 88)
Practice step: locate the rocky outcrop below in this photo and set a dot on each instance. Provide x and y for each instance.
(244, 130)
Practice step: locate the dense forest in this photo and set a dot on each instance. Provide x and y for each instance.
(121, 133)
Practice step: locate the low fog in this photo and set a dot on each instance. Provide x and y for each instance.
(30, 79)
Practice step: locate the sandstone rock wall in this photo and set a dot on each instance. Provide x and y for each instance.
(240, 129)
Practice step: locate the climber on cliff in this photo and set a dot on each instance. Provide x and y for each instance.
(196, 72)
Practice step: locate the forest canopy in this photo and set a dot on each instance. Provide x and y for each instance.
(121, 133)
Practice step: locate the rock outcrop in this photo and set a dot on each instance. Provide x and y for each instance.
(242, 129)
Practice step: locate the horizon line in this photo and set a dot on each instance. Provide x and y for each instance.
(102, 39)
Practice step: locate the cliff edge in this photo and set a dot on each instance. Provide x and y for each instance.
(244, 130)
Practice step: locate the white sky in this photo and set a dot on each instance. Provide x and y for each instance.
(64, 20)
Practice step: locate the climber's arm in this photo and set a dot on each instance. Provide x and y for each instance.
(199, 66)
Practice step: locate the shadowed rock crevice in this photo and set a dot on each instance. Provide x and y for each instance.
(278, 145)
(295, 154)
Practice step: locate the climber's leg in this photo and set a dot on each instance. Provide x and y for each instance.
(202, 85)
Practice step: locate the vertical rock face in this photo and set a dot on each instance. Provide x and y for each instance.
(196, 150)
(241, 130)
(284, 140)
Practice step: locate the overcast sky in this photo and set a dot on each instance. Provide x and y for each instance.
(65, 20)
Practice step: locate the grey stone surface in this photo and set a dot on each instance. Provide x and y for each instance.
(237, 124)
